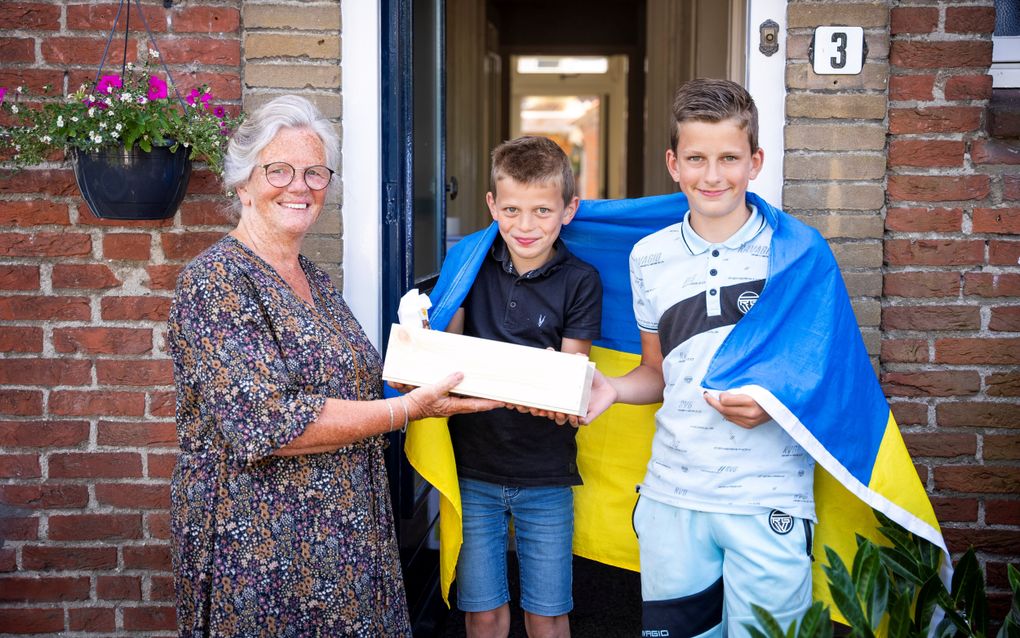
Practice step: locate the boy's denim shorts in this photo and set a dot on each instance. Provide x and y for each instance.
(543, 522)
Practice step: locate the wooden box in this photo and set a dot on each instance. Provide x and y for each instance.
(507, 372)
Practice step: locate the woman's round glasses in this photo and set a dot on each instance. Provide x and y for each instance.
(281, 174)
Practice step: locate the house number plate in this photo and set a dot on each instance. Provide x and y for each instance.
(838, 50)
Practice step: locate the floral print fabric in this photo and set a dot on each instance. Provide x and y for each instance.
(269, 545)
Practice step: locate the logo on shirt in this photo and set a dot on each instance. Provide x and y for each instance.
(746, 301)
(780, 522)
(541, 320)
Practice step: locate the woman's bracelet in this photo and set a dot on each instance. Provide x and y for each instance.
(390, 408)
(406, 416)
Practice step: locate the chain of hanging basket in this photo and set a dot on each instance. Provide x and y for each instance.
(123, 64)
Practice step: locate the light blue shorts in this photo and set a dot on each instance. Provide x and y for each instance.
(543, 520)
(763, 559)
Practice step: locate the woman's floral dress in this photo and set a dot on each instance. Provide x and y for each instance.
(274, 545)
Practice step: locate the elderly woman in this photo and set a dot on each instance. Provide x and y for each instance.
(281, 519)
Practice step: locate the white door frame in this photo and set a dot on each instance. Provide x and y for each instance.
(765, 79)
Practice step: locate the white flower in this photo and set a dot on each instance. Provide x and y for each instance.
(46, 139)
(114, 134)
(92, 111)
(99, 139)
(131, 66)
(125, 97)
(20, 89)
(153, 54)
(119, 126)
(143, 100)
(102, 125)
(60, 121)
(14, 107)
(74, 118)
(17, 147)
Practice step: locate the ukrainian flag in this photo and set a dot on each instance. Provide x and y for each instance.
(798, 352)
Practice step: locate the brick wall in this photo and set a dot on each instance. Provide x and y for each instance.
(87, 439)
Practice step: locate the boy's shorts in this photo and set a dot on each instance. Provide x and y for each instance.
(701, 571)
(543, 519)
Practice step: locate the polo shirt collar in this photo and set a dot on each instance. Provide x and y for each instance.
(501, 253)
(697, 245)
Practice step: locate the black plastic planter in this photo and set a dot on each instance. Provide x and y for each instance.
(133, 184)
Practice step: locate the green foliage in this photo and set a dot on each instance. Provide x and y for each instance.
(899, 585)
(139, 108)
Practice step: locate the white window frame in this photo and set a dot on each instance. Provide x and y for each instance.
(1005, 69)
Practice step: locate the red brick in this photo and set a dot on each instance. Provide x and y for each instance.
(179, 246)
(1011, 187)
(212, 20)
(14, 589)
(92, 619)
(1001, 512)
(45, 496)
(1005, 319)
(44, 433)
(201, 50)
(945, 446)
(130, 246)
(99, 403)
(969, 87)
(914, 54)
(938, 188)
(913, 20)
(95, 465)
(969, 351)
(162, 403)
(20, 339)
(45, 308)
(912, 87)
(1003, 253)
(934, 119)
(162, 588)
(995, 152)
(8, 563)
(970, 20)
(979, 414)
(158, 524)
(119, 587)
(134, 495)
(224, 86)
(21, 466)
(20, 402)
(150, 619)
(152, 434)
(103, 340)
(1002, 447)
(933, 252)
(91, 527)
(205, 213)
(45, 244)
(931, 318)
(154, 557)
(978, 478)
(34, 80)
(134, 373)
(909, 413)
(33, 213)
(991, 285)
(161, 465)
(19, 528)
(17, 50)
(931, 384)
(163, 277)
(959, 510)
(135, 308)
(996, 220)
(926, 153)
(95, 276)
(32, 620)
(62, 559)
(78, 50)
(921, 284)
(99, 17)
(47, 181)
(904, 351)
(45, 372)
(87, 218)
(30, 15)
(14, 277)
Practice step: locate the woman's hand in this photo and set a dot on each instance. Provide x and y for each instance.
(436, 401)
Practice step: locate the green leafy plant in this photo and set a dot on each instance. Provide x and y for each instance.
(895, 590)
(139, 107)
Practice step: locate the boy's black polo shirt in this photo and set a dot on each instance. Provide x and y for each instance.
(562, 299)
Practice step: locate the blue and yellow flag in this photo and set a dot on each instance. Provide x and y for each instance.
(798, 352)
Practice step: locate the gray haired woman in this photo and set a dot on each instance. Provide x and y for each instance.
(280, 515)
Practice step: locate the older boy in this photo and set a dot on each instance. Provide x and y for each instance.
(725, 509)
(529, 290)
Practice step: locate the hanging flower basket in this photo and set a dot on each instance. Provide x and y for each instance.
(122, 183)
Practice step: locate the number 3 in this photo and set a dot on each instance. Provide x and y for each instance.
(840, 38)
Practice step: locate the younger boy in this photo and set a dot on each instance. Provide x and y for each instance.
(725, 508)
(530, 290)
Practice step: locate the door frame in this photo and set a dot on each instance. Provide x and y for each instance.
(765, 79)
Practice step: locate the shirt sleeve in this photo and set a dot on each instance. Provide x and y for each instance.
(584, 313)
(232, 370)
(643, 311)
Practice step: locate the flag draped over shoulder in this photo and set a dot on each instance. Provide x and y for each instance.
(798, 352)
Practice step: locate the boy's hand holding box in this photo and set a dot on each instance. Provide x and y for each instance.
(521, 375)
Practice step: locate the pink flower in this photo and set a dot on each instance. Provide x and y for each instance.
(3, 92)
(220, 112)
(194, 95)
(108, 83)
(206, 98)
(157, 88)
